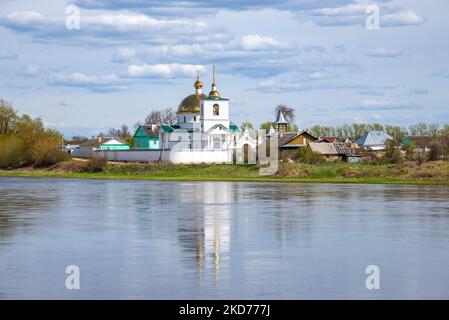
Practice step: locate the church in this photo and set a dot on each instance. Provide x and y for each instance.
(203, 131)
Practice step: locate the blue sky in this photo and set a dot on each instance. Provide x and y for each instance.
(129, 57)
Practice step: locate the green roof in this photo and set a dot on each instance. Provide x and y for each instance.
(167, 128)
(234, 127)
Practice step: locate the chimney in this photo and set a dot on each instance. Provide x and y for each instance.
(100, 139)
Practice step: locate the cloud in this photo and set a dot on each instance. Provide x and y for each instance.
(257, 42)
(402, 18)
(123, 55)
(98, 83)
(8, 55)
(276, 86)
(441, 74)
(164, 71)
(107, 28)
(419, 91)
(61, 104)
(384, 105)
(356, 14)
(385, 53)
(30, 70)
(206, 7)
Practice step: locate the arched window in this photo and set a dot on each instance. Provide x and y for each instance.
(216, 110)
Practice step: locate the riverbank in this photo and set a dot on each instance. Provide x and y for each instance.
(432, 173)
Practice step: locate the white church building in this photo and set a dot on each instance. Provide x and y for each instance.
(203, 131)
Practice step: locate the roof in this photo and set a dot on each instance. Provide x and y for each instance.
(94, 143)
(234, 128)
(330, 138)
(167, 128)
(149, 130)
(374, 138)
(285, 138)
(220, 126)
(419, 141)
(280, 118)
(332, 148)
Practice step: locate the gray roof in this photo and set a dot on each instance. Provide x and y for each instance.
(334, 148)
(374, 138)
(280, 119)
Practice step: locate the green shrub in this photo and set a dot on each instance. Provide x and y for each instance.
(436, 151)
(11, 155)
(306, 155)
(45, 154)
(393, 154)
(96, 164)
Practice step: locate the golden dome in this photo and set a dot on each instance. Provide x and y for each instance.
(198, 84)
(191, 104)
(214, 94)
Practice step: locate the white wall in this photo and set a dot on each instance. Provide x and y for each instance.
(194, 156)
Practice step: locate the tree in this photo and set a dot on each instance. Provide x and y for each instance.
(165, 116)
(392, 153)
(436, 150)
(433, 129)
(246, 125)
(266, 125)
(289, 113)
(124, 131)
(113, 133)
(26, 141)
(8, 117)
(418, 129)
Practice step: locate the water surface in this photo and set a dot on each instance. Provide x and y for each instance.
(218, 240)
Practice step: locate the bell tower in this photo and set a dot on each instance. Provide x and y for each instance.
(214, 109)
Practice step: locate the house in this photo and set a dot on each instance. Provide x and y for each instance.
(374, 140)
(420, 143)
(290, 142)
(147, 137)
(335, 151)
(100, 144)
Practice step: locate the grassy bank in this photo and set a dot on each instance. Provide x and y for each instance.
(407, 173)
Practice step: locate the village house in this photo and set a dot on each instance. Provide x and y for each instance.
(87, 148)
(420, 143)
(374, 140)
(147, 137)
(335, 151)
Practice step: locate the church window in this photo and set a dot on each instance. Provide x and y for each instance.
(216, 110)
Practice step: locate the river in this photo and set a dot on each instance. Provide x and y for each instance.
(220, 240)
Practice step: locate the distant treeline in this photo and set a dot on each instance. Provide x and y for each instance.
(356, 130)
(24, 141)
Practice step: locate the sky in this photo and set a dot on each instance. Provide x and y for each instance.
(328, 59)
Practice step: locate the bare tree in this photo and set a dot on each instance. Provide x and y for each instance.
(165, 116)
(124, 131)
(289, 113)
(113, 132)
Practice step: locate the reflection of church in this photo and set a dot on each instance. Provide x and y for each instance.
(203, 130)
(206, 231)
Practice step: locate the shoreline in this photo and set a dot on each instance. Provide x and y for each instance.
(42, 174)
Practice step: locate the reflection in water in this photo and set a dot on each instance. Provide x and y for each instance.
(150, 239)
(206, 229)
